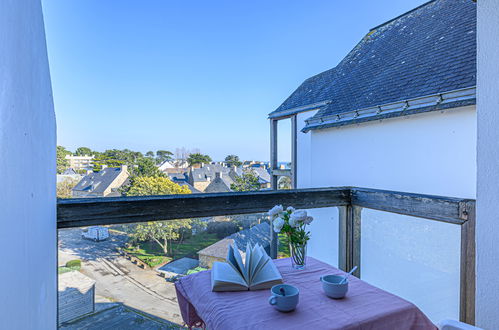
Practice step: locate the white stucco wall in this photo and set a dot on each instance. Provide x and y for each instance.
(487, 228)
(432, 153)
(303, 151)
(28, 204)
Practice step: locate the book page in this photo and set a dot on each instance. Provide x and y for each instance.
(239, 261)
(267, 276)
(263, 260)
(225, 278)
(231, 259)
(247, 263)
(254, 265)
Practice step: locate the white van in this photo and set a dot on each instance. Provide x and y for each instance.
(95, 233)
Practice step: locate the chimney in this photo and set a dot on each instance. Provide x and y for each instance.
(104, 166)
(124, 168)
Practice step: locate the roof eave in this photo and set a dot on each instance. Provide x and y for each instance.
(293, 111)
(435, 102)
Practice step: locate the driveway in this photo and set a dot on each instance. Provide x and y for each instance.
(117, 279)
(72, 246)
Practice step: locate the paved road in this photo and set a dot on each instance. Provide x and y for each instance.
(117, 279)
(72, 246)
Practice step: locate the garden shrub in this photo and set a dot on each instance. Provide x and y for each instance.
(196, 270)
(73, 263)
(222, 228)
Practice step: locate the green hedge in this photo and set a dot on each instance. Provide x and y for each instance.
(63, 269)
(73, 263)
(196, 270)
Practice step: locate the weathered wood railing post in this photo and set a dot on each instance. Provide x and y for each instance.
(468, 256)
(349, 238)
(274, 239)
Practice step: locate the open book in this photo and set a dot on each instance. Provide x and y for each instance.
(257, 272)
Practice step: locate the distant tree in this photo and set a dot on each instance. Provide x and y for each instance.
(116, 158)
(248, 181)
(147, 167)
(161, 232)
(62, 162)
(284, 182)
(143, 186)
(83, 151)
(150, 154)
(198, 158)
(65, 187)
(163, 156)
(233, 160)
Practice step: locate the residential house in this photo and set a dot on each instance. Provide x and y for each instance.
(221, 183)
(258, 234)
(201, 177)
(397, 113)
(219, 178)
(174, 166)
(105, 183)
(80, 163)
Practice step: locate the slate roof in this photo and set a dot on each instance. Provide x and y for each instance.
(208, 172)
(69, 171)
(178, 177)
(218, 185)
(258, 234)
(228, 176)
(97, 182)
(428, 50)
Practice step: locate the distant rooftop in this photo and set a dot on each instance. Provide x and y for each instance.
(98, 182)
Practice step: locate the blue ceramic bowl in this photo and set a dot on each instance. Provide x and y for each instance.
(332, 288)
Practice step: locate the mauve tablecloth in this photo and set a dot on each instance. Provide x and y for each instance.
(364, 307)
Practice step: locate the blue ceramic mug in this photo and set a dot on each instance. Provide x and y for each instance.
(332, 287)
(284, 297)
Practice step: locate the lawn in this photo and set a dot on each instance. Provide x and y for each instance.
(191, 246)
(152, 254)
(151, 257)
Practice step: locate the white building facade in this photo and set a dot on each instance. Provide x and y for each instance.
(396, 114)
(79, 163)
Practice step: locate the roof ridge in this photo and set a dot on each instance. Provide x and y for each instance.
(401, 15)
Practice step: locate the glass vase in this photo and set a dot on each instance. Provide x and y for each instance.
(298, 255)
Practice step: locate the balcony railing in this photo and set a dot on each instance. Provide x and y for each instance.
(350, 201)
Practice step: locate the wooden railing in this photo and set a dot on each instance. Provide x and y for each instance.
(350, 201)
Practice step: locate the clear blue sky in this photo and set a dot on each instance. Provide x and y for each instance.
(158, 74)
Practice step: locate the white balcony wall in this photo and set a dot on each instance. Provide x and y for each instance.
(432, 153)
(27, 166)
(487, 228)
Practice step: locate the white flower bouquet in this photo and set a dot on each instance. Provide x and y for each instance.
(292, 223)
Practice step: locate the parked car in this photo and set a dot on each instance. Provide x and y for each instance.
(95, 233)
